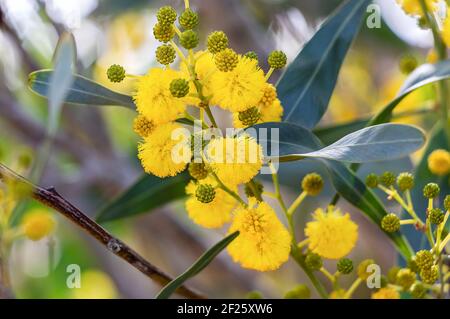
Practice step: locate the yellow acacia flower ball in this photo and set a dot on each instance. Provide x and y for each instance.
(331, 235)
(209, 215)
(263, 243)
(95, 285)
(38, 224)
(204, 68)
(153, 98)
(386, 293)
(414, 8)
(239, 89)
(439, 162)
(337, 294)
(235, 160)
(166, 151)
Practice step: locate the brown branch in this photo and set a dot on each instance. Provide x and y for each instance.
(51, 198)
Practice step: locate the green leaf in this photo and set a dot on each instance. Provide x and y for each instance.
(197, 267)
(61, 79)
(330, 134)
(426, 74)
(148, 193)
(375, 143)
(306, 87)
(347, 184)
(82, 91)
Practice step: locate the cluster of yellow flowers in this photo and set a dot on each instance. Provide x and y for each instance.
(167, 97)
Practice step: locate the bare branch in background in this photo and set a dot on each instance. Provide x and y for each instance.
(51, 198)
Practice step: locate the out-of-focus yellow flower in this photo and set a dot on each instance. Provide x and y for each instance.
(235, 160)
(95, 285)
(263, 243)
(163, 152)
(209, 215)
(337, 294)
(432, 56)
(239, 89)
(446, 29)
(414, 7)
(439, 162)
(386, 293)
(154, 99)
(38, 224)
(331, 235)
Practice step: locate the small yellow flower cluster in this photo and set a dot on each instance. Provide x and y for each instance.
(217, 76)
(414, 7)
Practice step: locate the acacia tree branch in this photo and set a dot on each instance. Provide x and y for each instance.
(51, 198)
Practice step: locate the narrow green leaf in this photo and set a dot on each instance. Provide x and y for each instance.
(295, 138)
(426, 74)
(82, 91)
(61, 79)
(375, 143)
(148, 193)
(306, 87)
(197, 267)
(330, 134)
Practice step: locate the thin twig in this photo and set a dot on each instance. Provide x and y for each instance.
(51, 198)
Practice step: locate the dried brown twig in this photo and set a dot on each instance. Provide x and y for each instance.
(51, 198)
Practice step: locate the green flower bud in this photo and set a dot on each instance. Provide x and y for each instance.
(249, 190)
(436, 216)
(405, 278)
(179, 88)
(345, 266)
(165, 54)
(25, 159)
(423, 23)
(408, 63)
(392, 274)
(313, 261)
(251, 55)
(226, 60)
(424, 259)
(362, 269)
(217, 41)
(189, 19)
(198, 171)
(447, 203)
(390, 223)
(205, 193)
(254, 295)
(189, 39)
(387, 179)
(277, 59)
(418, 290)
(163, 33)
(249, 117)
(312, 184)
(384, 282)
(412, 264)
(372, 180)
(431, 190)
(166, 16)
(429, 275)
(116, 73)
(405, 181)
(299, 292)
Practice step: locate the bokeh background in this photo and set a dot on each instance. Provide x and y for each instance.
(94, 155)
